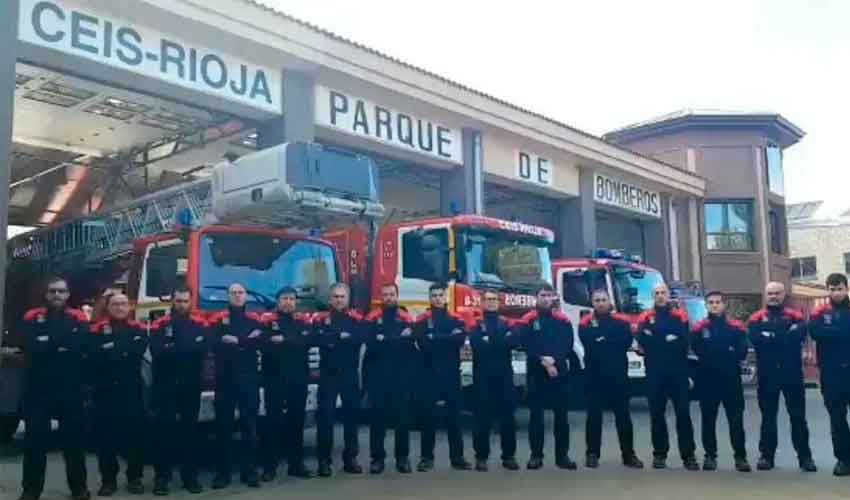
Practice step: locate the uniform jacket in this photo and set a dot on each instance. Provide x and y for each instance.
(662, 333)
(721, 345)
(830, 328)
(117, 351)
(56, 345)
(242, 357)
(340, 336)
(606, 339)
(777, 335)
(493, 340)
(547, 333)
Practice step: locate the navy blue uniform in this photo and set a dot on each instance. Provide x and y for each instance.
(440, 336)
(547, 333)
(607, 339)
(777, 334)
(237, 384)
(118, 404)
(721, 345)
(340, 336)
(179, 344)
(663, 336)
(830, 328)
(56, 343)
(493, 340)
(392, 354)
(285, 378)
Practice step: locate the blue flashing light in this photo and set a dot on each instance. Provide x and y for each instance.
(184, 217)
(454, 208)
(315, 232)
(606, 253)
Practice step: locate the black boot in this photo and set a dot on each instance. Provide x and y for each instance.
(591, 461)
(221, 481)
(29, 495)
(135, 487)
(510, 464)
(841, 469)
(376, 467)
(461, 464)
(402, 465)
(741, 465)
(765, 463)
(107, 488)
(691, 463)
(193, 486)
(352, 467)
(659, 462)
(79, 495)
(325, 469)
(808, 465)
(534, 463)
(268, 475)
(300, 470)
(632, 461)
(710, 463)
(566, 463)
(481, 465)
(251, 479)
(160, 487)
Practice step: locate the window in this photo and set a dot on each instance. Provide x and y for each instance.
(804, 268)
(579, 284)
(425, 254)
(773, 167)
(729, 226)
(163, 269)
(847, 263)
(777, 233)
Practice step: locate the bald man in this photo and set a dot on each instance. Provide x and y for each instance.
(777, 333)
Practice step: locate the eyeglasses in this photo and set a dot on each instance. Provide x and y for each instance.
(57, 291)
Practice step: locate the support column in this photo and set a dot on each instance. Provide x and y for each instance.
(577, 221)
(657, 240)
(298, 120)
(461, 189)
(8, 39)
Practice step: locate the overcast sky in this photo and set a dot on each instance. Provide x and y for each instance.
(598, 65)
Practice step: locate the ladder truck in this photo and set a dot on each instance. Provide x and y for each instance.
(206, 234)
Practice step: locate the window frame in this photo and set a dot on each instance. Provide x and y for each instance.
(767, 169)
(751, 230)
(846, 256)
(798, 262)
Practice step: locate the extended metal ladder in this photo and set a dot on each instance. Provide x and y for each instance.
(101, 236)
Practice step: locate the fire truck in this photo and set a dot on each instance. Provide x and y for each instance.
(297, 215)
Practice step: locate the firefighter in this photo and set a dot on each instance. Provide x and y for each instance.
(118, 407)
(392, 351)
(55, 343)
(236, 337)
(340, 336)
(493, 341)
(607, 337)
(179, 345)
(440, 336)
(830, 328)
(663, 336)
(721, 345)
(777, 334)
(285, 377)
(548, 338)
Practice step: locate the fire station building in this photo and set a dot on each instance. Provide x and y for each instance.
(157, 91)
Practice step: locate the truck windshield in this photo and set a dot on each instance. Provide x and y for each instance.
(634, 288)
(264, 264)
(503, 261)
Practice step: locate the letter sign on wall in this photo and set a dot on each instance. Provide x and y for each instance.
(534, 169)
(353, 115)
(621, 194)
(80, 31)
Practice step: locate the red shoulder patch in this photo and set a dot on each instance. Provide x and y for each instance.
(197, 318)
(354, 314)
(793, 314)
(821, 310)
(303, 316)
(97, 328)
(217, 317)
(699, 326)
(269, 317)
(137, 324)
(529, 317)
(374, 314)
(758, 316)
(320, 317)
(561, 316)
(622, 317)
(681, 314)
(253, 316)
(32, 314)
(734, 323)
(424, 316)
(646, 316)
(586, 320)
(405, 316)
(161, 322)
(77, 315)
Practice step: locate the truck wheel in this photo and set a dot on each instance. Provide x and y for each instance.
(8, 427)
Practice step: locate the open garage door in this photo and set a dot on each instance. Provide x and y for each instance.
(512, 204)
(80, 145)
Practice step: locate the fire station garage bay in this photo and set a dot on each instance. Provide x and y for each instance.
(114, 100)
